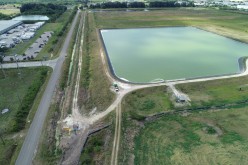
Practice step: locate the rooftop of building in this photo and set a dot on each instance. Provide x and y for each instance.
(4, 24)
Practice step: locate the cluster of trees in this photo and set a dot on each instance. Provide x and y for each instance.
(52, 10)
(61, 32)
(41, 1)
(156, 4)
(94, 146)
(67, 62)
(4, 17)
(106, 5)
(159, 4)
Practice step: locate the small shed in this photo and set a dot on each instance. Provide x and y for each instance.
(181, 98)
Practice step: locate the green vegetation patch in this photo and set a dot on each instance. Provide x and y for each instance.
(3, 16)
(8, 10)
(210, 130)
(177, 140)
(98, 147)
(217, 92)
(51, 10)
(148, 101)
(93, 148)
(7, 149)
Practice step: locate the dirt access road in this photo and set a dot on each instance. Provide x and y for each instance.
(116, 143)
(75, 142)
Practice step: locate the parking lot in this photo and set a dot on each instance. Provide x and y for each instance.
(36, 47)
(19, 34)
(33, 50)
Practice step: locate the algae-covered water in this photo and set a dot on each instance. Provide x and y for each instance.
(147, 54)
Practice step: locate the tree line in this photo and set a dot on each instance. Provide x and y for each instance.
(51, 10)
(4, 17)
(156, 4)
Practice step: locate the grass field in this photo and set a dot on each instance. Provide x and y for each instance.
(10, 9)
(186, 140)
(13, 89)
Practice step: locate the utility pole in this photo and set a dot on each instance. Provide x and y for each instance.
(2, 70)
(1, 61)
(16, 60)
(1, 136)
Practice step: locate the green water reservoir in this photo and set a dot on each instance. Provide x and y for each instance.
(148, 54)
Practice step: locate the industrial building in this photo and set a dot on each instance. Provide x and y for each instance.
(6, 25)
(15, 33)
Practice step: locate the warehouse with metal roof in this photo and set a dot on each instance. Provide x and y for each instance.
(6, 25)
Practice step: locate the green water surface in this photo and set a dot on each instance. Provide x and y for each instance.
(144, 55)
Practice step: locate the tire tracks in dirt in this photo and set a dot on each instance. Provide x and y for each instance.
(115, 150)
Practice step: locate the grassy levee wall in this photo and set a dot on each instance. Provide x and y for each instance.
(94, 84)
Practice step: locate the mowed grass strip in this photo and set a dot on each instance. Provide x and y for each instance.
(184, 140)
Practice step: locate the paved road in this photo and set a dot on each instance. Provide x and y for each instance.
(31, 141)
(51, 63)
